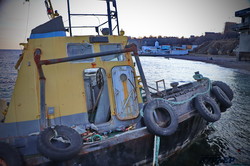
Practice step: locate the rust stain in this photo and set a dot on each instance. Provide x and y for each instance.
(125, 89)
(129, 62)
(93, 65)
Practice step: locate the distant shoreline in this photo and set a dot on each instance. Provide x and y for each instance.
(221, 60)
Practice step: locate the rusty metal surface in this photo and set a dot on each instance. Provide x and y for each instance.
(135, 147)
(157, 86)
(37, 57)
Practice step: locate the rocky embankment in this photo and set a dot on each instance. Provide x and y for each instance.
(218, 47)
(221, 60)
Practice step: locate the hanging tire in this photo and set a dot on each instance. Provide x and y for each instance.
(223, 109)
(9, 156)
(208, 108)
(222, 98)
(160, 118)
(59, 143)
(225, 88)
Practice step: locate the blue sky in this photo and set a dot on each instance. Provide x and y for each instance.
(138, 18)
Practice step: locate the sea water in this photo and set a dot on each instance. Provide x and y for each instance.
(228, 143)
(8, 74)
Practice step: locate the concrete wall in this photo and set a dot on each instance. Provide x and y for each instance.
(244, 45)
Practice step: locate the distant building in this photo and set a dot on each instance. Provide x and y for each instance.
(165, 47)
(209, 33)
(244, 29)
(212, 35)
(157, 44)
(149, 49)
(228, 27)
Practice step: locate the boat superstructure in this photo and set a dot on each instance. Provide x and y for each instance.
(79, 100)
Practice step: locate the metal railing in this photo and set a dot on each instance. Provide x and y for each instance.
(111, 15)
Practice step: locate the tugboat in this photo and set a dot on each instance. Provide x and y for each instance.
(78, 100)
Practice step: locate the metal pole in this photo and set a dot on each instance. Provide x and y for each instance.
(109, 17)
(43, 123)
(37, 57)
(79, 57)
(69, 16)
(117, 22)
(143, 78)
(88, 14)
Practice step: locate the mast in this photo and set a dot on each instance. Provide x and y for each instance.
(116, 16)
(69, 17)
(109, 17)
(111, 14)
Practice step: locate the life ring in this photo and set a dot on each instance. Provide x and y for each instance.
(9, 155)
(221, 97)
(208, 108)
(160, 118)
(225, 88)
(59, 143)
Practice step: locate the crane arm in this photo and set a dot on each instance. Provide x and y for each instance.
(50, 10)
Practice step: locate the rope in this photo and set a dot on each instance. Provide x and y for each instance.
(96, 136)
(157, 140)
(141, 112)
(197, 94)
(187, 100)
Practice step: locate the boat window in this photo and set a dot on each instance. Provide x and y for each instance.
(76, 49)
(112, 47)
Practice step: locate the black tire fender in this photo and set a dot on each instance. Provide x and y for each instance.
(208, 108)
(221, 97)
(9, 155)
(50, 144)
(225, 88)
(160, 118)
(223, 109)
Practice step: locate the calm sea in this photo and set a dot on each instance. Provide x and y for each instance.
(228, 143)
